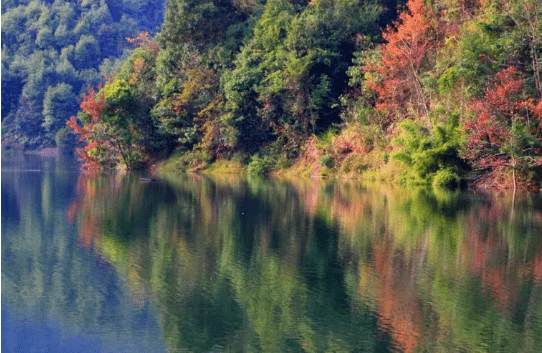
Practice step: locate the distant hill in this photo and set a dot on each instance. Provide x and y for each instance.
(52, 51)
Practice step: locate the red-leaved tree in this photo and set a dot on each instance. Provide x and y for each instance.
(407, 53)
(92, 107)
(506, 133)
(99, 128)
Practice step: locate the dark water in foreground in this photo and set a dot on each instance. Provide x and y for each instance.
(193, 264)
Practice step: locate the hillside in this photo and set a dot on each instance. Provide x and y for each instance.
(443, 92)
(52, 51)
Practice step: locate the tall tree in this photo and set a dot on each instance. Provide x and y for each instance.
(507, 130)
(526, 14)
(396, 75)
(289, 77)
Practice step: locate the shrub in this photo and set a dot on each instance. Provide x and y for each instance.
(432, 156)
(327, 161)
(62, 137)
(258, 165)
(354, 163)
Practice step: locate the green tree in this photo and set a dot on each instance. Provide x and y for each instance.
(59, 104)
(87, 52)
(200, 23)
(288, 78)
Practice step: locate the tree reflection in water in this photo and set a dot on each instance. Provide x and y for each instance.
(56, 296)
(236, 264)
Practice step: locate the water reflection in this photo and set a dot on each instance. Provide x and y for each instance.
(453, 273)
(56, 296)
(237, 264)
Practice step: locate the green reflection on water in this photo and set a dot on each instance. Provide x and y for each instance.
(50, 285)
(251, 265)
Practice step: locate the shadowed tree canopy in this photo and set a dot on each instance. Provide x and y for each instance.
(198, 22)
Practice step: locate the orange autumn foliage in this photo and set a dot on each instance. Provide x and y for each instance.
(405, 55)
(93, 106)
(145, 41)
(76, 129)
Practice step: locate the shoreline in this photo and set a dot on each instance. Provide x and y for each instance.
(313, 171)
(46, 152)
(310, 170)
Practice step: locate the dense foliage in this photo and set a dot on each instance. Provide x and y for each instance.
(476, 61)
(52, 51)
(450, 89)
(231, 80)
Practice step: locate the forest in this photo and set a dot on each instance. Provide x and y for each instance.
(53, 51)
(420, 92)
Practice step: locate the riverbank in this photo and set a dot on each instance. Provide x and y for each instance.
(46, 152)
(374, 166)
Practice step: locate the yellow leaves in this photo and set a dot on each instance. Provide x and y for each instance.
(197, 80)
(215, 104)
(138, 71)
(211, 125)
(138, 64)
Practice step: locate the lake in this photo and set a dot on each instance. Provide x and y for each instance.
(189, 263)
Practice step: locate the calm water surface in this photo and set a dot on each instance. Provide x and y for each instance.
(107, 263)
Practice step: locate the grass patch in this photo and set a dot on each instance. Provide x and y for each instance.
(223, 166)
(182, 162)
(175, 163)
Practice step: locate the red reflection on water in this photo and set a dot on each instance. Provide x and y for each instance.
(398, 305)
(81, 208)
